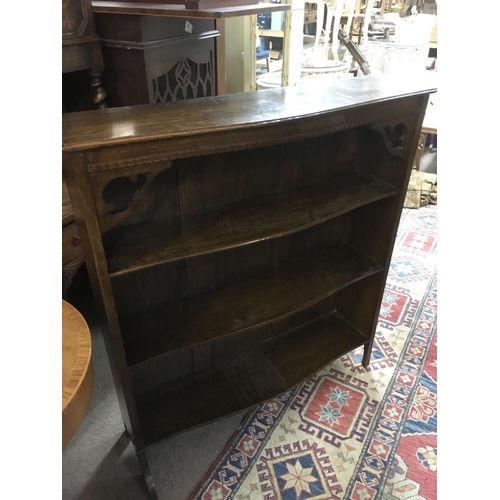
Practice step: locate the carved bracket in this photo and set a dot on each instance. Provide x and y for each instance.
(396, 137)
(122, 196)
(123, 192)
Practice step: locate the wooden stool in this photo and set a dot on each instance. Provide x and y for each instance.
(77, 371)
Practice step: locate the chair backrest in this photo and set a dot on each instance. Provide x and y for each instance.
(366, 21)
(335, 12)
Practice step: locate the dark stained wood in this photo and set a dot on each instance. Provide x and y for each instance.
(157, 59)
(259, 373)
(271, 110)
(171, 10)
(256, 219)
(135, 195)
(160, 52)
(72, 254)
(81, 47)
(265, 298)
(278, 212)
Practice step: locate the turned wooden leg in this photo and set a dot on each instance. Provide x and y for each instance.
(99, 96)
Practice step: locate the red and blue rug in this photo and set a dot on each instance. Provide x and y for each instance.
(350, 432)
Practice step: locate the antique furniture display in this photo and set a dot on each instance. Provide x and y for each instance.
(77, 371)
(161, 52)
(237, 244)
(81, 47)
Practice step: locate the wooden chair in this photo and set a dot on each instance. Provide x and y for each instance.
(264, 54)
(335, 10)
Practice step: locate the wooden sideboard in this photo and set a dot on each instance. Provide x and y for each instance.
(238, 244)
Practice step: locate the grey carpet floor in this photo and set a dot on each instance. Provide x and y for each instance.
(99, 463)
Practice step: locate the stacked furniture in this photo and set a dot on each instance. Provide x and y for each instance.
(238, 244)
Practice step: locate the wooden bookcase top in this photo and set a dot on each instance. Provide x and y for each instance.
(182, 119)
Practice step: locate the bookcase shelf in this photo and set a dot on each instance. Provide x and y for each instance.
(131, 248)
(258, 373)
(267, 297)
(238, 244)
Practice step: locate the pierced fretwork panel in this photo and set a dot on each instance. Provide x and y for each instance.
(186, 80)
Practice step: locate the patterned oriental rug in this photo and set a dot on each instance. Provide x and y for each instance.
(349, 432)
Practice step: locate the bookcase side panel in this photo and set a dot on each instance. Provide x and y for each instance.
(84, 209)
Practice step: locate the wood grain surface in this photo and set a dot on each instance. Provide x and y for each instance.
(114, 126)
(255, 375)
(267, 297)
(77, 370)
(240, 223)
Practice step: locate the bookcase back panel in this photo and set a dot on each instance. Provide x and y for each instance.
(215, 180)
(303, 243)
(149, 287)
(214, 270)
(319, 158)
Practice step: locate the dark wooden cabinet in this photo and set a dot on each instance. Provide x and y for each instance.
(157, 59)
(167, 51)
(238, 244)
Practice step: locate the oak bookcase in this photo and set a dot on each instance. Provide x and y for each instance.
(238, 244)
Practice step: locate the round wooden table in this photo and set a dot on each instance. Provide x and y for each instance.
(77, 370)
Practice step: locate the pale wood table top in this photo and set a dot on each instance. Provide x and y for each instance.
(77, 371)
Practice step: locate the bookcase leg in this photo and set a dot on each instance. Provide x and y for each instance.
(367, 352)
(146, 472)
